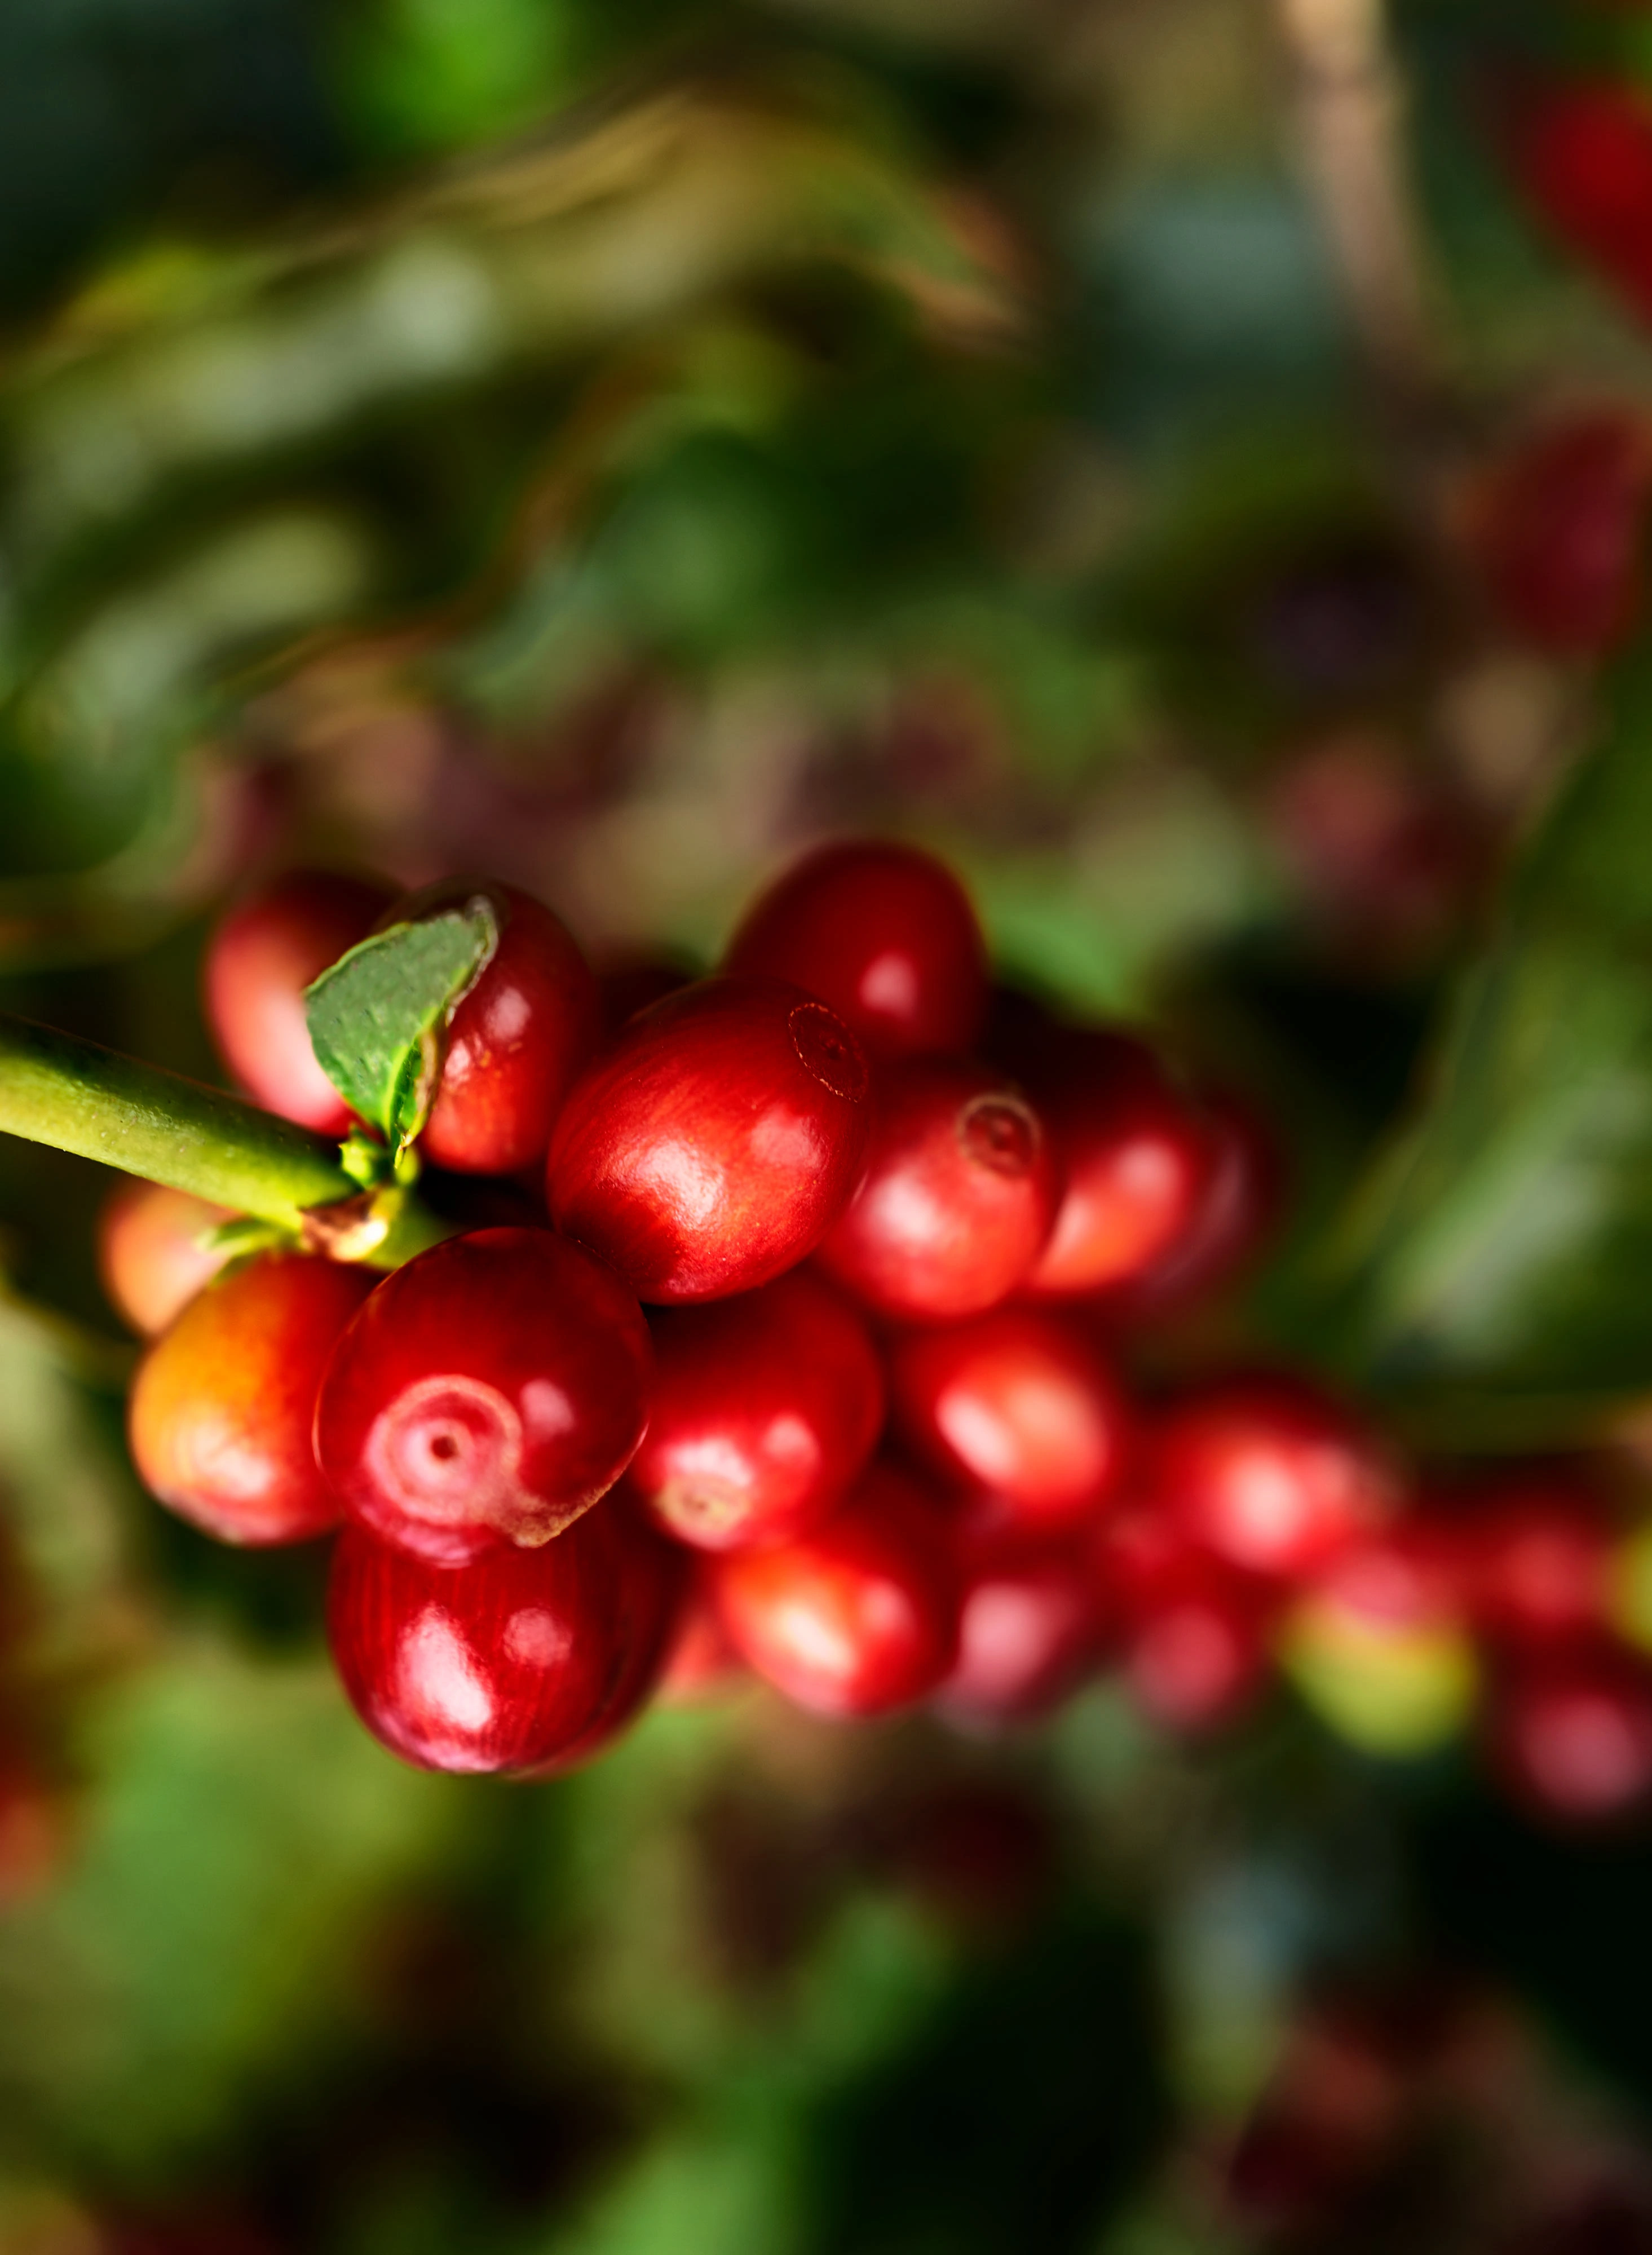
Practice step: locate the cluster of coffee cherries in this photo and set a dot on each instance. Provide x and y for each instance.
(896, 1238)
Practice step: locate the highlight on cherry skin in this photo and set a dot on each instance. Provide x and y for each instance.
(1270, 1473)
(516, 1039)
(711, 1146)
(526, 1661)
(861, 1617)
(1030, 1626)
(765, 1407)
(221, 1411)
(883, 933)
(1019, 1406)
(262, 955)
(154, 1253)
(486, 1396)
(957, 1198)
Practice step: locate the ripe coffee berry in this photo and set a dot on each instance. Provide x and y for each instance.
(1134, 1156)
(527, 1659)
(1583, 153)
(1269, 1474)
(1018, 1404)
(764, 1409)
(1191, 1633)
(222, 1405)
(262, 955)
(1029, 1628)
(485, 1396)
(713, 1144)
(1534, 1553)
(957, 1198)
(1571, 1737)
(858, 1618)
(515, 1041)
(1559, 530)
(152, 1254)
(883, 933)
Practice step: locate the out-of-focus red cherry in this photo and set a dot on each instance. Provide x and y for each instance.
(515, 1041)
(884, 934)
(957, 1198)
(1571, 1736)
(221, 1409)
(1029, 1629)
(152, 1256)
(1582, 151)
(1230, 1222)
(1133, 1153)
(1534, 1558)
(715, 1142)
(1189, 1633)
(486, 1396)
(764, 1409)
(525, 1659)
(1018, 1404)
(858, 1618)
(259, 960)
(1270, 1474)
(1557, 530)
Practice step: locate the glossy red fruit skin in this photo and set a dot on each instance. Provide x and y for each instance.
(957, 1198)
(151, 1259)
(712, 1146)
(883, 933)
(526, 1661)
(1571, 1737)
(1029, 1629)
(1533, 1554)
(485, 1396)
(515, 1041)
(221, 1410)
(1017, 1405)
(1271, 1475)
(858, 1618)
(1134, 1154)
(764, 1409)
(262, 954)
(1559, 530)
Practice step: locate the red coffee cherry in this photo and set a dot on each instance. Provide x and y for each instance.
(1269, 1474)
(1571, 1737)
(516, 1041)
(1583, 154)
(527, 1659)
(957, 1198)
(714, 1144)
(1030, 1630)
(1533, 1552)
(883, 933)
(151, 1257)
(262, 955)
(221, 1409)
(764, 1409)
(860, 1618)
(1133, 1152)
(486, 1396)
(1191, 1633)
(1559, 526)
(1235, 1209)
(1018, 1404)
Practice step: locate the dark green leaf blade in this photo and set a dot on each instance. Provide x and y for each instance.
(1504, 1242)
(375, 1014)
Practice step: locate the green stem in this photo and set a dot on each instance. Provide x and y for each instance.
(55, 1088)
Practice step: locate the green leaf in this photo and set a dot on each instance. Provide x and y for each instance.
(376, 1016)
(1504, 1242)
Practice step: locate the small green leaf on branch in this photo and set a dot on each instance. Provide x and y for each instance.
(377, 1016)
